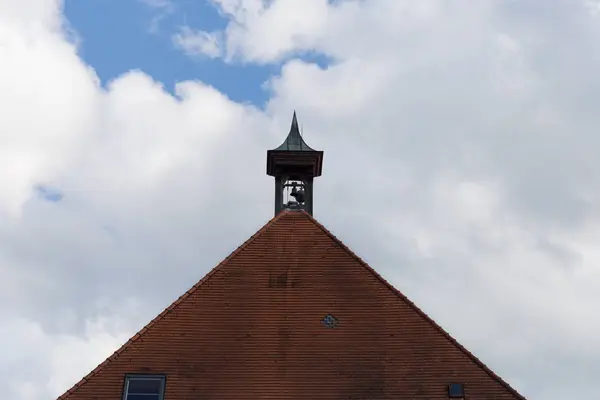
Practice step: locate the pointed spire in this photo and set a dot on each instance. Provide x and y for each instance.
(294, 141)
(294, 128)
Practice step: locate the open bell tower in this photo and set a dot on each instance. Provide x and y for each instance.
(294, 166)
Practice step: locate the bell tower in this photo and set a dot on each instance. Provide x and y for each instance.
(294, 166)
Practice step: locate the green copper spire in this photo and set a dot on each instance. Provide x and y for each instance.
(294, 141)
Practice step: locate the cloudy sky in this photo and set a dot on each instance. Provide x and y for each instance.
(460, 140)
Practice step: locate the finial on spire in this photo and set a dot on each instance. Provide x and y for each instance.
(294, 123)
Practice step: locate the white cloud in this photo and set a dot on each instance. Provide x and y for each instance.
(461, 162)
(39, 364)
(52, 98)
(196, 43)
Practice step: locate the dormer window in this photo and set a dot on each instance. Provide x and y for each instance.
(144, 387)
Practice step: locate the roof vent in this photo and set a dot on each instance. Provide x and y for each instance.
(329, 321)
(456, 391)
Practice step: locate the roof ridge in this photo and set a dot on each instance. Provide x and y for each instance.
(172, 306)
(412, 305)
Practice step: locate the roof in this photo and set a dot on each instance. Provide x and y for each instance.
(294, 141)
(252, 328)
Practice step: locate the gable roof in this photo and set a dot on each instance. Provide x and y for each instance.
(254, 320)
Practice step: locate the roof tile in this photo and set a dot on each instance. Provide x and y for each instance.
(252, 328)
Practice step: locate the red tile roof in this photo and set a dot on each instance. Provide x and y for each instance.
(251, 329)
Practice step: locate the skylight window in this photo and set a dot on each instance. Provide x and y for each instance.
(144, 387)
(329, 321)
(456, 391)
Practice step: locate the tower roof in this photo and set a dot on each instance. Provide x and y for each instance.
(294, 157)
(294, 141)
(294, 314)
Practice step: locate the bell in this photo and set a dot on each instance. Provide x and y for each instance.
(298, 194)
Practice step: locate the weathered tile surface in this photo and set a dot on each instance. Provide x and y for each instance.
(252, 329)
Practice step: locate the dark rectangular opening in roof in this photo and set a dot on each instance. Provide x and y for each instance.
(456, 391)
(144, 387)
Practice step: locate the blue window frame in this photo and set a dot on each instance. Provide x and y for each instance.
(456, 391)
(144, 387)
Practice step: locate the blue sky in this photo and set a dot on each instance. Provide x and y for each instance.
(118, 36)
(467, 114)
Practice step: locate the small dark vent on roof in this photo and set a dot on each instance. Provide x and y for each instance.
(456, 391)
(329, 321)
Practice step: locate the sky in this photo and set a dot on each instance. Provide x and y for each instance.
(460, 162)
